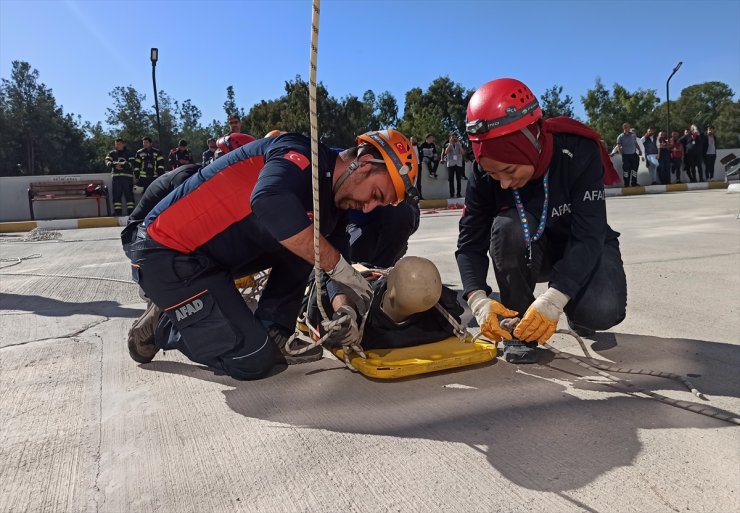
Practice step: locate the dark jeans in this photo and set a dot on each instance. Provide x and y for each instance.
(709, 161)
(664, 167)
(123, 187)
(676, 168)
(455, 173)
(630, 163)
(384, 240)
(692, 163)
(205, 316)
(601, 303)
(419, 183)
(431, 165)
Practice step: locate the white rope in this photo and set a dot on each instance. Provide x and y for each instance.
(708, 411)
(315, 153)
(595, 366)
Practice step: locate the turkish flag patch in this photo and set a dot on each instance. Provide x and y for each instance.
(297, 159)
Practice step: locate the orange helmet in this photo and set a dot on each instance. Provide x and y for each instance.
(272, 133)
(399, 158)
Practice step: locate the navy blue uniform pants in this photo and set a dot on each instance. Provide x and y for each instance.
(602, 302)
(205, 316)
(384, 240)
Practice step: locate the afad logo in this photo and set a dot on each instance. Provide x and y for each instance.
(196, 305)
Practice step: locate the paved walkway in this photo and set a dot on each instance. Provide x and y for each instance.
(84, 428)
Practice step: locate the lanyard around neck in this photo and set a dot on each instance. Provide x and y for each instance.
(528, 239)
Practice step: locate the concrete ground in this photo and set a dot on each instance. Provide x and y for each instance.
(84, 428)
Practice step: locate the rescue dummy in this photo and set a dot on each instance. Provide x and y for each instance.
(402, 313)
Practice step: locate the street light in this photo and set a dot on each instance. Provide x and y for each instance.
(668, 99)
(154, 56)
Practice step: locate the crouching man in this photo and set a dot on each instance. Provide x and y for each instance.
(246, 212)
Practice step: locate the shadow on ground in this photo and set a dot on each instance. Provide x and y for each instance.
(534, 422)
(55, 308)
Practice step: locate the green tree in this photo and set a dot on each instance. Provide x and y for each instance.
(128, 118)
(169, 115)
(727, 125)
(38, 138)
(290, 113)
(607, 111)
(191, 129)
(553, 104)
(700, 104)
(98, 142)
(230, 106)
(387, 110)
(437, 111)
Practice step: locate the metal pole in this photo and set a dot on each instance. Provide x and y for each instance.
(154, 55)
(668, 99)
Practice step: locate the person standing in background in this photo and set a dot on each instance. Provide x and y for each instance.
(693, 153)
(207, 155)
(148, 164)
(119, 162)
(664, 158)
(676, 155)
(651, 154)
(180, 155)
(455, 161)
(429, 155)
(710, 152)
(235, 124)
(415, 145)
(629, 150)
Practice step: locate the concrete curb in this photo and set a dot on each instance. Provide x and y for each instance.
(659, 189)
(62, 224)
(101, 222)
(610, 192)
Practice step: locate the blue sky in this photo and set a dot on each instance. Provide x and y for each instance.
(84, 48)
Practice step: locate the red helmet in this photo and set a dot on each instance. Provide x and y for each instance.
(500, 107)
(231, 142)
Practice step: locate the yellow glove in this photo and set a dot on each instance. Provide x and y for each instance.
(486, 311)
(541, 319)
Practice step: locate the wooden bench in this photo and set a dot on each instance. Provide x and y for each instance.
(66, 190)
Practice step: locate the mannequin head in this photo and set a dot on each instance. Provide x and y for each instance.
(414, 285)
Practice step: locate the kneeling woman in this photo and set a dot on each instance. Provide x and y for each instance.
(536, 203)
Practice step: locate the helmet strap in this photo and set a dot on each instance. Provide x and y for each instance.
(346, 174)
(533, 139)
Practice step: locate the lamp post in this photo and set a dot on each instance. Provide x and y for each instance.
(668, 99)
(154, 56)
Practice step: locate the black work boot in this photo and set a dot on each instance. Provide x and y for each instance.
(141, 335)
(516, 351)
(280, 336)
